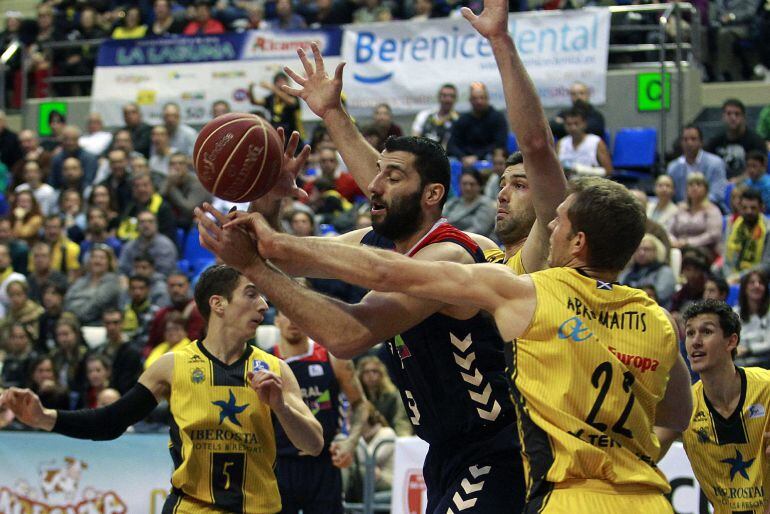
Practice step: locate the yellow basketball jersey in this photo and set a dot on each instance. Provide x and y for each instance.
(498, 256)
(728, 455)
(222, 439)
(587, 376)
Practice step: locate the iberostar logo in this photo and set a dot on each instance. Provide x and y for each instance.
(738, 465)
(230, 410)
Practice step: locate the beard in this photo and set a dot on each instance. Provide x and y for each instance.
(402, 219)
(515, 227)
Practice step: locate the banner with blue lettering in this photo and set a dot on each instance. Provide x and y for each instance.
(405, 63)
(196, 71)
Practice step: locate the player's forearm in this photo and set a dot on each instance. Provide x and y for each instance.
(359, 411)
(359, 156)
(302, 429)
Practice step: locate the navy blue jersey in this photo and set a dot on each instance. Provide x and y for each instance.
(320, 392)
(450, 372)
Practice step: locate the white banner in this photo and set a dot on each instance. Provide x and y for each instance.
(409, 488)
(405, 63)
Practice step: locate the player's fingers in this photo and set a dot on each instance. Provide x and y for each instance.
(292, 91)
(338, 71)
(468, 14)
(291, 148)
(300, 194)
(282, 136)
(208, 225)
(305, 62)
(296, 77)
(319, 60)
(301, 159)
(218, 216)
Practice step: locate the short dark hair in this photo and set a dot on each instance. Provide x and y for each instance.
(728, 319)
(610, 217)
(56, 288)
(215, 280)
(139, 278)
(112, 310)
(448, 86)
(280, 75)
(734, 102)
(756, 155)
(430, 160)
(473, 173)
(693, 126)
(144, 257)
(575, 112)
(752, 194)
(514, 159)
(722, 286)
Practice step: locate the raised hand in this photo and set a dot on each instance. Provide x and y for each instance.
(234, 247)
(493, 20)
(291, 168)
(269, 388)
(319, 91)
(258, 229)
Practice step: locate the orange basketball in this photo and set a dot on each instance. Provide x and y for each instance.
(238, 157)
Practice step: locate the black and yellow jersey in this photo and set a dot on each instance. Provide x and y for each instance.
(727, 454)
(588, 374)
(498, 256)
(222, 439)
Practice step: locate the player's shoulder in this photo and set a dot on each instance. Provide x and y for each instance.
(484, 243)
(445, 251)
(758, 377)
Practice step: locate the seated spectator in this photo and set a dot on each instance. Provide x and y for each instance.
(53, 308)
(150, 241)
(97, 233)
(255, 18)
(144, 198)
(139, 130)
(372, 11)
(649, 268)
(716, 288)
(18, 247)
(80, 60)
(183, 190)
(287, 19)
(144, 266)
(44, 194)
(19, 355)
(10, 149)
(579, 148)
(108, 397)
(220, 108)
(72, 176)
(96, 140)
(180, 136)
(32, 151)
(69, 355)
(43, 382)
(97, 290)
(71, 212)
(753, 308)
(437, 124)
(698, 222)
(480, 133)
(302, 224)
(98, 373)
(756, 176)
(21, 309)
(695, 159)
(382, 394)
(282, 108)
(138, 311)
(203, 23)
(330, 206)
(71, 148)
(174, 338)
(117, 184)
(471, 211)
(7, 277)
(27, 217)
(160, 151)
(125, 358)
(735, 142)
(383, 121)
(580, 95)
(344, 183)
(132, 26)
(663, 209)
(328, 12)
(182, 302)
(165, 23)
(65, 254)
(374, 433)
(730, 24)
(42, 274)
(695, 268)
(493, 175)
(747, 247)
(423, 10)
(102, 198)
(57, 122)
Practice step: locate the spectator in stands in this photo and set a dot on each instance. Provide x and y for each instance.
(121, 140)
(663, 208)
(471, 211)
(27, 217)
(302, 224)
(328, 12)
(756, 177)
(174, 337)
(56, 121)
(437, 124)
(695, 159)
(283, 109)
(98, 370)
(203, 23)
(255, 18)
(144, 266)
(579, 148)
(160, 151)
(71, 211)
(96, 140)
(132, 26)
(423, 10)
(72, 175)
(19, 354)
(97, 290)
(44, 383)
(44, 194)
(103, 198)
(139, 311)
(730, 23)
(80, 60)
(219, 108)
(7, 276)
(381, 393)
(53, 305)
(21, 309)
(181, 301)
(698, 222)
(287, 19)
(493, 174)
(695, 270)
(747, 243)
(344, 183)
(181, 137)
(372, 11)
(736, 140)
(71, 148)
(754, 309)
(144, 197)
(649, 268)
(375, 432)
(149, 241)
(97, 233)
(183, 190)
(41, 273)
(139, 130)
(69, 355)
(580, 96)
(383, 121)
(17, 247)
(126, 359)
(165, 24)
(716, 288)
(10, 149)
(65, 254)
(32, 151)
(117, 185)
(763, 124)
(481, 133)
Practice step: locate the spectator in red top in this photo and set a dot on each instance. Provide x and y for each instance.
(343, 181)
(203, 22)
(181, 301)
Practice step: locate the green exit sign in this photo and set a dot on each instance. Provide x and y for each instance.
(650, 96)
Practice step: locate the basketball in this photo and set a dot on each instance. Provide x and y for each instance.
(238, 157)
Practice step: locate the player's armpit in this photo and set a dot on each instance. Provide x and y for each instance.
(157, 378)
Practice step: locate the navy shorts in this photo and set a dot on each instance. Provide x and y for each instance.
(483, 477)
(310, 484)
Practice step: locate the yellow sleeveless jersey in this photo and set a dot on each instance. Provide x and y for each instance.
(728, 455)
(587, 375)
(222, 439)
(498, 256)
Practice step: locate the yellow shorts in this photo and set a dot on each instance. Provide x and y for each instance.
(579, 500)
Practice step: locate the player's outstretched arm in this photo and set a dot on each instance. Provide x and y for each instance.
(528, 122)
(344, 450)
(323, 96)
(283, 396)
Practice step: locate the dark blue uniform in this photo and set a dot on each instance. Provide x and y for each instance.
(452, 379)
(307, 483)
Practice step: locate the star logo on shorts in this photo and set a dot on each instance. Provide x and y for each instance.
(230, 410)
